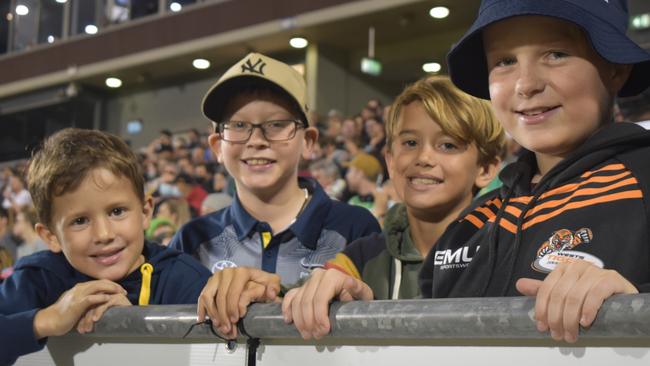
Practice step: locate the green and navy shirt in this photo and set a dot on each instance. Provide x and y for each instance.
(232, 237)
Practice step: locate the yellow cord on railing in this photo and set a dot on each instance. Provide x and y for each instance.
(145, 291)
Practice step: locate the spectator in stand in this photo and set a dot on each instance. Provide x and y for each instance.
(367, 113)
(330, 150)
(220, 181)
(185, 165)
(5, 177)
(7, 240)
(164, 186)
(334, 124)
(174, 209)
(328, 175)
(376, 107)
(24, 230)
(203, 177)
(194, 139)
(16, 197)
(193, 193)
(198, 155)
(161, 231)
(363, 177)
(162, 146)
(375, 131)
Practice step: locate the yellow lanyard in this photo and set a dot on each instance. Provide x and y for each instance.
(145, 291)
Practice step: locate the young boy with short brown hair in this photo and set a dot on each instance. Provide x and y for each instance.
(88, 189)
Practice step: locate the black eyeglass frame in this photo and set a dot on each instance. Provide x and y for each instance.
(298, 124)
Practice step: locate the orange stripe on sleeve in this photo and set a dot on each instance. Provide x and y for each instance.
(475, 221)
(575, 205)
(574, 186)
(508, 225)
(581, 192)
(606, 168)
(344, 264)
(485, 211)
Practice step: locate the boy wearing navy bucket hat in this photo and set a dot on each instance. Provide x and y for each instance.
(571, 223)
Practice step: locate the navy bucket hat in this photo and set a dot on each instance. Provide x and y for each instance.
(603, 21)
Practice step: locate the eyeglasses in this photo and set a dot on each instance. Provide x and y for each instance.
(239, 131)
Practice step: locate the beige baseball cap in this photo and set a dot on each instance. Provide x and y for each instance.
(255, 67)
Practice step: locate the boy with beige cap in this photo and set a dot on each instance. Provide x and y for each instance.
(279, 223)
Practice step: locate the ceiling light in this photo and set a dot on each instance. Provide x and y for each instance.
(431, 67)
(439, 12)
(61, 1)
(22, 9)
(175, 7)
(50, 39)
(91, 29)
(298, 42)
(201, 63)
(113, 82)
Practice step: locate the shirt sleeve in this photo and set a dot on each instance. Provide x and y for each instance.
(17, 330)
(20, 299)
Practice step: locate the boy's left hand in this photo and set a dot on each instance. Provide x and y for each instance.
(571, 295)
(228, 293)
(87, 321)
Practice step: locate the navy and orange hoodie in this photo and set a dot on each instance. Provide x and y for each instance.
(594, 205)
(166, 277)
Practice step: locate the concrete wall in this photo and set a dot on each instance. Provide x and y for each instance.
(176, 108)
(336, 87)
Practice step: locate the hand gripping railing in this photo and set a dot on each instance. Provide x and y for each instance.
(621, 317)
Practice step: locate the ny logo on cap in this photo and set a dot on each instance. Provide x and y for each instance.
(257, 67)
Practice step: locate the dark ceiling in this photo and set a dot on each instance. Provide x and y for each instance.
(406, 37)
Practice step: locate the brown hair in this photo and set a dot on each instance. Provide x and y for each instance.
(67, 157)
(460, 115)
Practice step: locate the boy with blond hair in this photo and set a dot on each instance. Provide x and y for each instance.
(88, 189)
(443, 147)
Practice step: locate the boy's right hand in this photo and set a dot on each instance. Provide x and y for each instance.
(308, 306)
(60, 317)
(228, 293)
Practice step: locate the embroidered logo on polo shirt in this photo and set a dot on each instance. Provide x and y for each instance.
(559, 249)
(223, 264)
(306, 265)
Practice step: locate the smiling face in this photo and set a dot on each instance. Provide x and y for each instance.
(260, 166)
(432, 172)
(99, 226)
(549, 88)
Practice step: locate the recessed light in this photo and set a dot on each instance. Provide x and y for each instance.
(113, 82)
(91, 29)
(175, 7)
(22, 9)
(439, 12)
(431, 67)
(201, 63)
(298, 42)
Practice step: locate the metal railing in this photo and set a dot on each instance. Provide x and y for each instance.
(621, 317)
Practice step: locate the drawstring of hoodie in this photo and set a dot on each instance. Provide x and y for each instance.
(493, 236)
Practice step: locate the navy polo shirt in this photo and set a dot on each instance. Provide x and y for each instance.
(232, 237)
